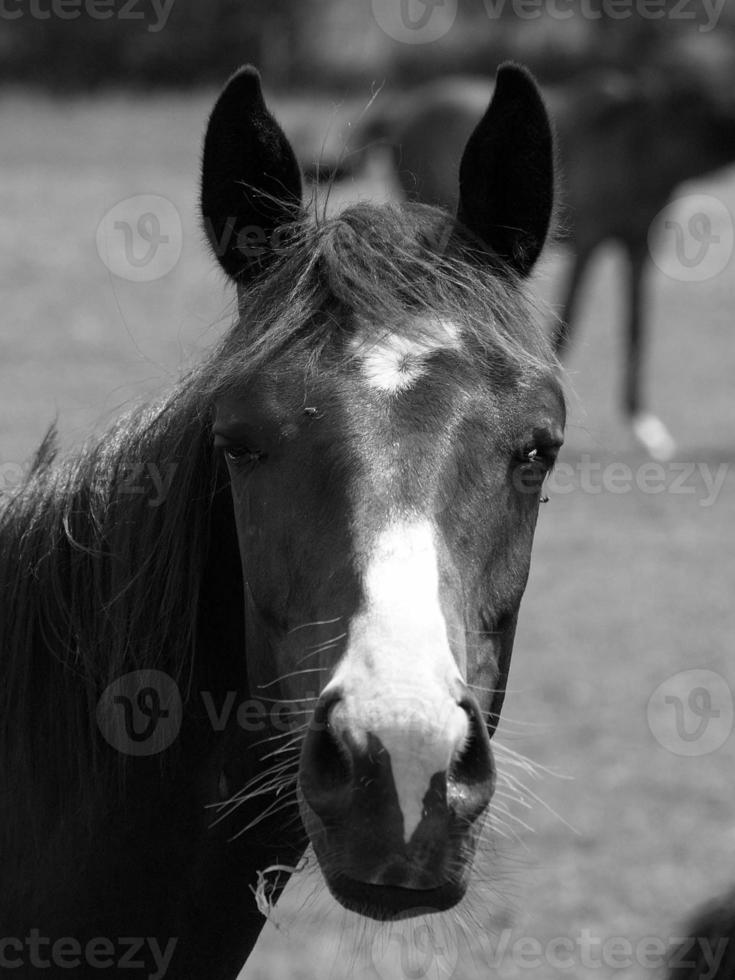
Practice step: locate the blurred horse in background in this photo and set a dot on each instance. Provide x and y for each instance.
(625, 141)
(708, 951)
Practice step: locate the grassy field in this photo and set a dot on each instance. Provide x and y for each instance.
(627, 589)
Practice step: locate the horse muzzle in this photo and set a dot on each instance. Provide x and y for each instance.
(391, 792)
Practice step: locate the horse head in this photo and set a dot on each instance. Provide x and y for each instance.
(387, 411)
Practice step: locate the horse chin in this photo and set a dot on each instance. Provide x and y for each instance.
(387, 903)
(390, 887)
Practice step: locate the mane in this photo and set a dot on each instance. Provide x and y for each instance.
(367, 270)
(97, 581)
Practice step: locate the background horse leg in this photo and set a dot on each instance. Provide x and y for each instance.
(562, 333)
(647, 428)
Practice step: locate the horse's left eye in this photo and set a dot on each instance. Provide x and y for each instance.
(535, 462)
(538, 457)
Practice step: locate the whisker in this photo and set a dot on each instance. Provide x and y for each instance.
(313, 698)
(269, 812)
(292, 746)
(526, 804)
(293, 673)
(536, 798)
(316, 622)
(284, 783)
(505, 831)
(276, 780)
(515, 758)
(323, 647)
(512, 826)
(491, 690)
(287, 734)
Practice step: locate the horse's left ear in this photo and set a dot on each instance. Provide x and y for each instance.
(251, 182)
(506, 177)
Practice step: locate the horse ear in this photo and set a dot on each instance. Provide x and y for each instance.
(251, 182)
(506, 177)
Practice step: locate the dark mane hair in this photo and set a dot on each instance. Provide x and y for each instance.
(372, 266)
(96, 582)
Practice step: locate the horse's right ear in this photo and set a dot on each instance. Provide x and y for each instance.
(251, 182)
(506, 178)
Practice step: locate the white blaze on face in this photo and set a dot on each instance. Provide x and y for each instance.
(396, 362)
(398, 674)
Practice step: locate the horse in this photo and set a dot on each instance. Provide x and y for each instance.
(307, 638)
(626, 143)
(708, 951)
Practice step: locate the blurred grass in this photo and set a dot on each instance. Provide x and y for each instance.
(625, 589)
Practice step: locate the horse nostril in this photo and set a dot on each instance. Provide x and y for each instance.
(474, 767)
(326, 763)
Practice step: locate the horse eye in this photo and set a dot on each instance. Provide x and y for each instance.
(534, 463)
(537, 457)
(243, 454)
(540, 455)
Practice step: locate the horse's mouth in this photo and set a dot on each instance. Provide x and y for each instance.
(391, 902)
(387, 884)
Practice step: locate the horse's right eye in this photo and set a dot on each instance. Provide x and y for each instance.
(243, 454)
(236, 452)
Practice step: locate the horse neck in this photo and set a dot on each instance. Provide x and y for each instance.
(97, 583)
